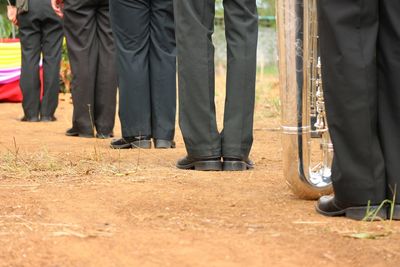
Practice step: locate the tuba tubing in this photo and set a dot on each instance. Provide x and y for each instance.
(302, 98)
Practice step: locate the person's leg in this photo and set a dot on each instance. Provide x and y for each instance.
(106, 76)
(162, 56)
(52, 37)
(80, 28)
(130, 23)
(389, 94)
(348, 31)
(241, 27)
(194, 20)
(30, 38)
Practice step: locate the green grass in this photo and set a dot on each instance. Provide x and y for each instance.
(271, 70)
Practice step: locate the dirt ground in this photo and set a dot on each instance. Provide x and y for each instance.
(67, 201)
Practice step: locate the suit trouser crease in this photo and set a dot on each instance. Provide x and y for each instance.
(40, 32)
(358, 83)
(146, 61)
(195, 26)
(237, 136)
(389, 93)
(92, 57)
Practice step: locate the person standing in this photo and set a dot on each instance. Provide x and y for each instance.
(92, 57)
(40, 32)
(360, 53)
(194, 29)
(144, 33)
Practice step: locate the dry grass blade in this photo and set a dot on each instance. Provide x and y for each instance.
(367, 235)
(69, 232)
(73, 233)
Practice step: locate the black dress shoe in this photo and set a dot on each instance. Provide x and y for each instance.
(163, 144)
(237, 164)
(73, 132)
(48, 118)
(104, 136)
(143, 142)
(328, 206)
(30, 119)
(120, 144)
(200, 164)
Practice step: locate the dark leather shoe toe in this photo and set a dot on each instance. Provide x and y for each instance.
(237, 164)
(328, 206)
(73, 132)
(48, 118)
(120, 144)
(200, 164)
(30, 119)
(143, 142)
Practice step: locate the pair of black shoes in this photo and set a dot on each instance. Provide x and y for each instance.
(37, 119)
(329, 206)
(75, 133)
(214, 164)
(143, 142)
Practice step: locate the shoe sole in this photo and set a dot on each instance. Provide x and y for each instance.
(357, 213)
(30, 120)
(164, 144)
(205, 165)
(236, 166)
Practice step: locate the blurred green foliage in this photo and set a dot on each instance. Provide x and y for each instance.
(5, 25)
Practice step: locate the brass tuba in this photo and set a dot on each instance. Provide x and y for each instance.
(303, 109)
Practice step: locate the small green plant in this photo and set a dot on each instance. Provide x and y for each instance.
(372, 215)
(393, 204)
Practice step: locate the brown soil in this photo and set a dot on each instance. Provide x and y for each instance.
(74, 202)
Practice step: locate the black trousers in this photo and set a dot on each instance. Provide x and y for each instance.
(360, 48)
(92, 57)
(194, 29)
(40, 32)
(146, 59)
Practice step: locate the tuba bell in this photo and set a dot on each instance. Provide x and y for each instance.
(302, 101)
